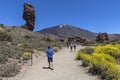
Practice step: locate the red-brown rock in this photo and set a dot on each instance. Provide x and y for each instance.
(29, 17)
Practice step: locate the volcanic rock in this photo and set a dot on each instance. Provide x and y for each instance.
(29, 17)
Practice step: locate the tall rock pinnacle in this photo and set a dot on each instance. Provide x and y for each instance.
(29, 17)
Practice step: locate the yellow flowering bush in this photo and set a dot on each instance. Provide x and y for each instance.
(26, 55)
(113, 71)
(103, 61)
(105, 65)
(84, 57)
(102, 56)
(113, 50)
(79, 54)
(117, 45)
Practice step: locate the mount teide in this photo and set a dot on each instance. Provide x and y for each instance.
(65, 31)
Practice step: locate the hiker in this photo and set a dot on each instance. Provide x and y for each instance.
(71, 47)
(49, 54)
(74, 45)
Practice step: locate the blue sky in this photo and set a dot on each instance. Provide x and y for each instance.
(93, 15)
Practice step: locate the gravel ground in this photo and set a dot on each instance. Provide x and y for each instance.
(65, 68)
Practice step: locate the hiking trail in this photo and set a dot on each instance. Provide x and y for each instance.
(65, 68)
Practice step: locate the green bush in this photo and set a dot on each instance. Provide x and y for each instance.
(2, 58)
(5, 37)
(27, 46)
(48, 39)
(9, 69)
(27, 36)
(87, 50)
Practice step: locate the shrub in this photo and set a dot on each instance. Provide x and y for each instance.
(85, 60)
(5, 37)
(26, 55)
(87, 50)
(100, 63)
(27, 46)
(9, 69)
(84, 57)
(48, 39)
(102, 56)
(55, 49)
(108, 49)
(2, 58)
(27, 36)
(8, 50)
(79, 54)
(113, 72)
(58, 45)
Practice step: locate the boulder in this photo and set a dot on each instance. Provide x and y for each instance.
(29, 17)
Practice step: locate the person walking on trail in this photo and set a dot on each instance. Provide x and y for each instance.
(74, 45)
(49, 54)
(71, 47)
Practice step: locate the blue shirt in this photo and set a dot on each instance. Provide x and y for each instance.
(49, 53)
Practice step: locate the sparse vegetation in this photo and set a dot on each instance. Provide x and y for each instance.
(9, 69)
(15, 42)
(48, 39)
(5, 37)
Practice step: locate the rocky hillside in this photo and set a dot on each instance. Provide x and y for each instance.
(15, 42)
(19, 36)
(25, 40)
(114, 36)
(65, 30)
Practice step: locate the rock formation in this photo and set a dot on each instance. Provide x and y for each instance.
(29, 17)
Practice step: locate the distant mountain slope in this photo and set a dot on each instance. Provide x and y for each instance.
(65, 30)
(114, 36)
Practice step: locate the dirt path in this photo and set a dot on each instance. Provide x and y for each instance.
(65, 68)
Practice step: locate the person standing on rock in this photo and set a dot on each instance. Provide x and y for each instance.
(49, 54)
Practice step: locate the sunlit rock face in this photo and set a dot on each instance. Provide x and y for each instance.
(29, 17)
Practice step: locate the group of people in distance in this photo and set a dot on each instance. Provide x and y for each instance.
(73, 47)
